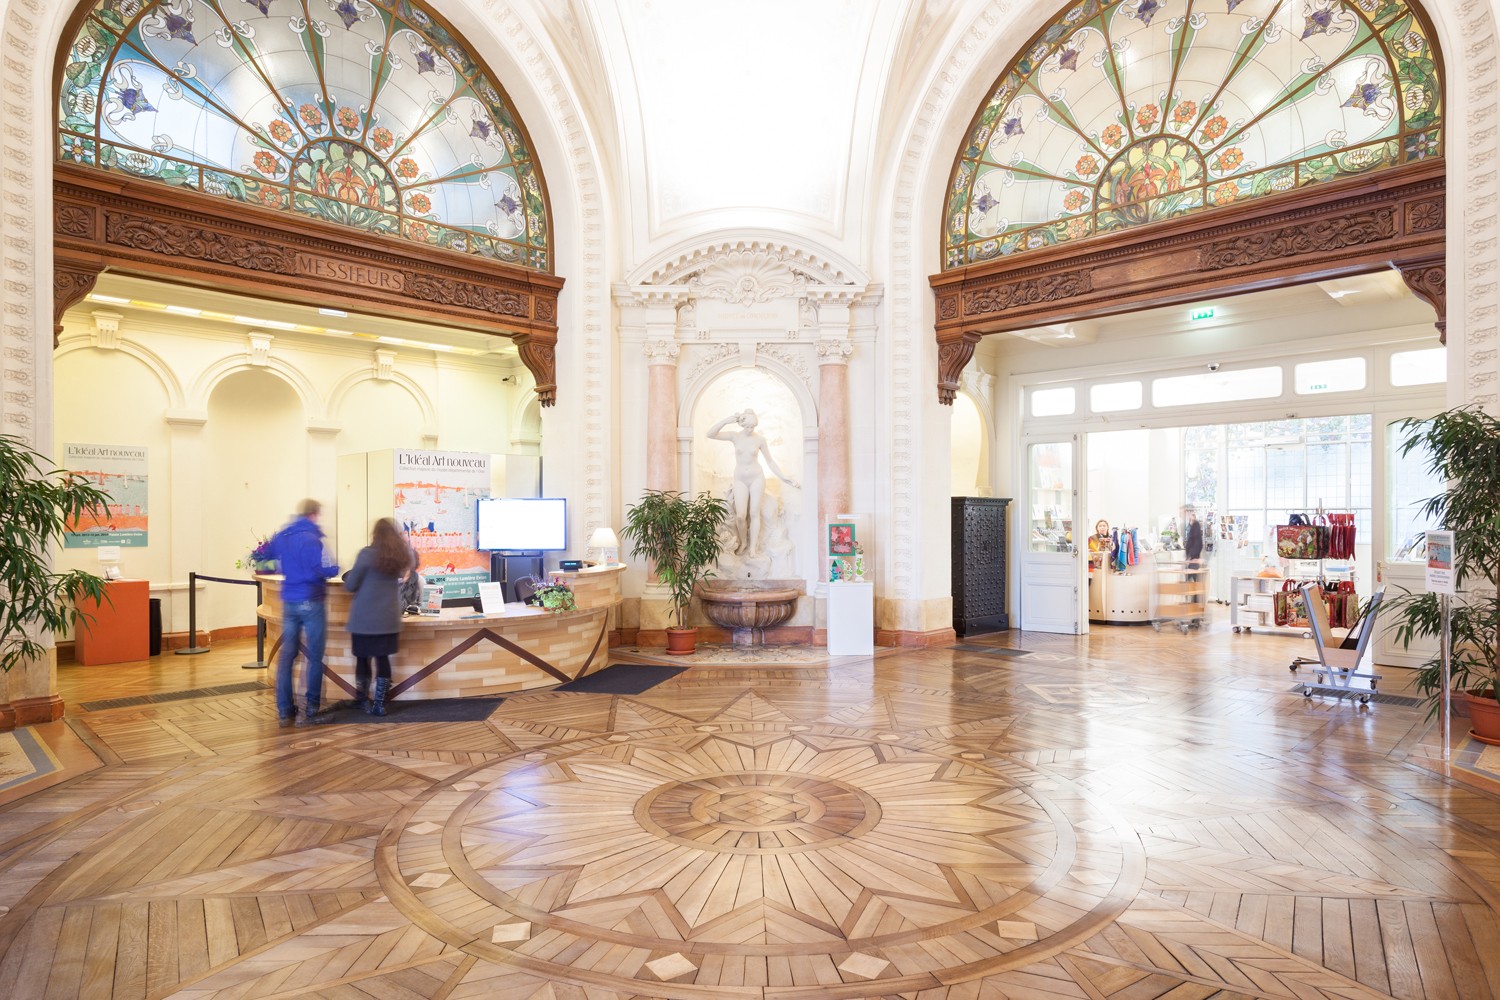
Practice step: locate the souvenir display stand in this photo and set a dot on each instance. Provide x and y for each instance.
(849, 570)
(1120, 587)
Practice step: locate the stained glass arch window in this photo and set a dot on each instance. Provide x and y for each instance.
(371, 114)
(1126, 112)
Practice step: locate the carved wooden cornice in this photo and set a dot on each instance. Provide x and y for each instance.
(1428, 281)
(1395, 218)
(146, 228)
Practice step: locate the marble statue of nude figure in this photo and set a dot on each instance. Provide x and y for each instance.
(749, 478)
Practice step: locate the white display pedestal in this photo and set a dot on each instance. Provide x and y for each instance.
(851, 619)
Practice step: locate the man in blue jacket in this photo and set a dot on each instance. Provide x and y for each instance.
(305, 566)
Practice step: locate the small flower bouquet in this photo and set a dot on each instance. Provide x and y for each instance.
(555, 597)
(259, 560)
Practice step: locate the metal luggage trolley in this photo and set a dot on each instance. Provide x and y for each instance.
(1336, 667)
(1180, 589)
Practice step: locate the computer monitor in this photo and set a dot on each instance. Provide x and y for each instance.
(514, 524)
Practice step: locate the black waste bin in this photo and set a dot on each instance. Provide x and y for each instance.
(154, 626)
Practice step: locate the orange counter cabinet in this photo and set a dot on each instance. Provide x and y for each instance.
(118, 630)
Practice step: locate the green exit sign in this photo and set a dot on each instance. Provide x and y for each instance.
(1206, 313)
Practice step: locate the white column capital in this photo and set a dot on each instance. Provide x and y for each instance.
(834, 351)
(661, 352)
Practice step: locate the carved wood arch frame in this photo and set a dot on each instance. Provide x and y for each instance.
(1396, 218)
(104, 221)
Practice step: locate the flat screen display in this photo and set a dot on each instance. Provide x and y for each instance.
(508, 524)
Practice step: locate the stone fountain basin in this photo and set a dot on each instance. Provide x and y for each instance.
(745, 605)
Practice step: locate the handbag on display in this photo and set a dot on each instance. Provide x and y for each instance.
(1286, 604)
(1297, 541)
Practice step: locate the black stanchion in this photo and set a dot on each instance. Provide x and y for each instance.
(194, 649)
(260, 636)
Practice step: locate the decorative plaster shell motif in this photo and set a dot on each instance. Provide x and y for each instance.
(746, 277)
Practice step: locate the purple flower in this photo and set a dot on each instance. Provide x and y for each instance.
(1012, 127)
(264, 6)
(1317, 23)
(426, 61)
(1068, 59)
(132, 100)
(984, 203)
(180, 27)
(1231, 5)
(347, 12)
(507, 205)
(1147, 10)
(1365, 94)
(481, 129)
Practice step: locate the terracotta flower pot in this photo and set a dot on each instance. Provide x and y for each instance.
(681, 641)
(1484, 713)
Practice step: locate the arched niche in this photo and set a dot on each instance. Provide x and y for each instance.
(970, 446)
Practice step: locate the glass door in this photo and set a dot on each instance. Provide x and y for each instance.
(1051, 570)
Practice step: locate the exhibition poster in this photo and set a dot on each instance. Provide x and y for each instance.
(434, 505)
(120, 471)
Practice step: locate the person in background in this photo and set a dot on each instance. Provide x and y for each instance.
(305, 565)
(1192, 543)
(375, 613)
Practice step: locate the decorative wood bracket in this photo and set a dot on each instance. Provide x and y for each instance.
(139, 227)
(539, 354)
(953, 355)
(1428, 281)
(72, 279)
(1355, 226)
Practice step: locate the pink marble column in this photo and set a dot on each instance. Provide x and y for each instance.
(833, 428)
(661, 415)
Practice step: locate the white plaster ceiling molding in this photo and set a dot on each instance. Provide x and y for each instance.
(106, 329)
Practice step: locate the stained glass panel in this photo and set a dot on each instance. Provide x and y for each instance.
(365, 113)
(1126, 112)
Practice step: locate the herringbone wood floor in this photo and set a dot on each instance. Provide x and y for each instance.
(1127, 816)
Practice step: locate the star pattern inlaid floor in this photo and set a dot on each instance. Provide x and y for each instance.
(1126, 816)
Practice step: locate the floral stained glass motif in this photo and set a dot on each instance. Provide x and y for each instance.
(1126, 112)
(365, 113)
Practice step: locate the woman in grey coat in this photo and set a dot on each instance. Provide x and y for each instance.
(375, 612)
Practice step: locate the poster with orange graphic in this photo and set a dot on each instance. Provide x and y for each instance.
(120, 471)
(434, 504)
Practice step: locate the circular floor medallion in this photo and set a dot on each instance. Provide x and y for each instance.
(824, 850)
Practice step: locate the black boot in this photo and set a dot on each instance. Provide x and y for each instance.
(361, 683)
(376, 704)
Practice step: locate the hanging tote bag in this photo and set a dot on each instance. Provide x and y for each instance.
(1297, 541)
(1281, 603)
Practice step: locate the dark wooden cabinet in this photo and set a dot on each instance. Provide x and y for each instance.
(980, 556)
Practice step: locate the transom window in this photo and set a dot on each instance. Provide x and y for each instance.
(1126, 112)
(371, 114)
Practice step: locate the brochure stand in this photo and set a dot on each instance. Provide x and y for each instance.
(849, 567)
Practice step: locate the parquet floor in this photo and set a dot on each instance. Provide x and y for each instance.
(1128, 816)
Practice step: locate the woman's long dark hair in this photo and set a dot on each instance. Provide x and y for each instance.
(392, 554)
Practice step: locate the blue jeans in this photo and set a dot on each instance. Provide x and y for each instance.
(303, 623)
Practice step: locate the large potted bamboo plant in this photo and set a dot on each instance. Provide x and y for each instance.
(37, 506)
(1463, 449)
(679, 535)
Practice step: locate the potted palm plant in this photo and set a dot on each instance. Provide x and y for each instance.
(38, 505)
(1463, 448)
(680, 536)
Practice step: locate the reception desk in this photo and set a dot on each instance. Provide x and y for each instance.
(461, 654)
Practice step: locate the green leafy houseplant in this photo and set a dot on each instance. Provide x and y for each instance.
(680, 536)
(1463, 446)
(38, 504)
(555, 597)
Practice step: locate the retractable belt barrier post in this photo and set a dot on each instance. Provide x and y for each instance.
(193, 649)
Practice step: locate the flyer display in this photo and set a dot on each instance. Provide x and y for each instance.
(435, 492)
(120, 471)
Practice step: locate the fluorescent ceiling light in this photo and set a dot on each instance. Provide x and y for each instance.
(112, 299)
(184, 310)
(333, 312)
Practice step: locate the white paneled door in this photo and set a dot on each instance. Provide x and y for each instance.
(1051, 568)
